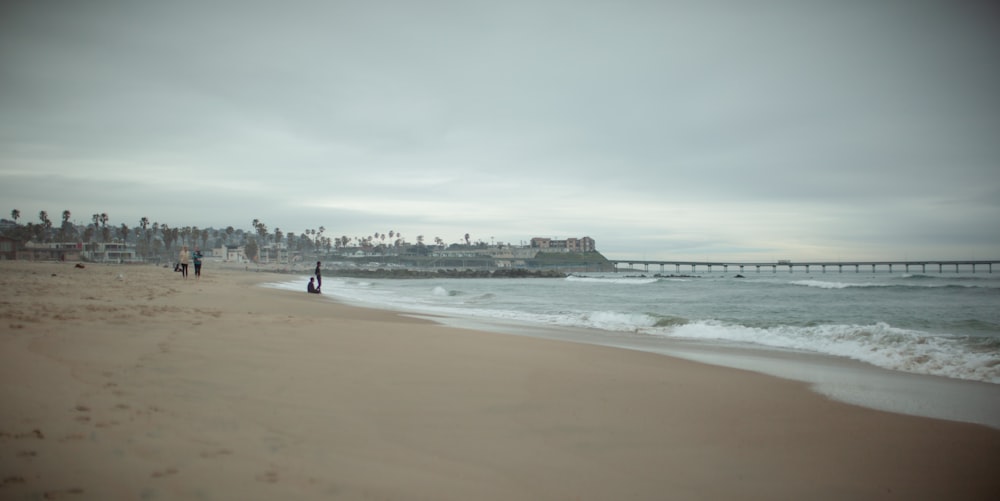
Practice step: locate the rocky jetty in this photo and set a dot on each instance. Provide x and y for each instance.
(443, 273)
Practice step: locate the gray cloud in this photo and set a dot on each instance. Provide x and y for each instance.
(800, 129)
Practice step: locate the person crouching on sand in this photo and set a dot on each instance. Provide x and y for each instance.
(184, 256)
(311, 288)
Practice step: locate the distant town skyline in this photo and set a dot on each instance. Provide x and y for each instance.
(664, 130)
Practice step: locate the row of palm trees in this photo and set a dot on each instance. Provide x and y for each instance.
(154, 238)
(150, 238)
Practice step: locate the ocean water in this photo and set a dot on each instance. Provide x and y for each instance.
(937, 327)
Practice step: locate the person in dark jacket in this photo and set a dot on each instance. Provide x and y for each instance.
(196, 257)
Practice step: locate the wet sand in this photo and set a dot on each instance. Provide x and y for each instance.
(129, 382)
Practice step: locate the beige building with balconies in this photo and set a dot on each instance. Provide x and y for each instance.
(583, 244)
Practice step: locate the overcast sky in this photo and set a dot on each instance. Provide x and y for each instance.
(738, 130)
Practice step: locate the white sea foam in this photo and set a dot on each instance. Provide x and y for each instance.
(880, 344)
(616, 321)
(832, 285)
(917, 281)
(619, 281)
(575, 304)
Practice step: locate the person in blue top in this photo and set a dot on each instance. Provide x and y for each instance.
(196, 256)
(311, 288)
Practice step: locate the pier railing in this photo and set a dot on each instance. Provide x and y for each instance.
(972, 266)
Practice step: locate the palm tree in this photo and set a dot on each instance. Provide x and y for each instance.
(46, 224)
(15, 214)
(144, 223)
(65, 227)
(48, 227)
(261, 231)
(105, 232)
(168, 235)
(277, 240)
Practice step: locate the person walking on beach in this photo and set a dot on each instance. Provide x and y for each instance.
(311, 288)
(197, 262)
(319, 278)
(184, 256)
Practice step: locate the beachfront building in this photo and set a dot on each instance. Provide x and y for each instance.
(97, 252)
(584, 244)
(273, 252)
(55, 251)
(8, 248)
(234, 253)
(110, 252)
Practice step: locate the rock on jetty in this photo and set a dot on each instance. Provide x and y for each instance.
(442, 273)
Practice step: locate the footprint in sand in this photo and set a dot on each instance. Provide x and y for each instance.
(164, 473)
(75, 491)
(13, 479)
(215, 454)
(270, 477)
(72, 437)
(83, 418)
(36, 433)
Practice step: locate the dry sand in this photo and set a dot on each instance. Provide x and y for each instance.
(128, 382)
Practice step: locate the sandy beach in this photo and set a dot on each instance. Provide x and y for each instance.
(129, 382)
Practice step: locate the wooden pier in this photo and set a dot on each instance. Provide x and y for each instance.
(839, 266)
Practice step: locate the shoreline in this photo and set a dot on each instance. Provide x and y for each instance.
(124, 382)
(843, 379)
